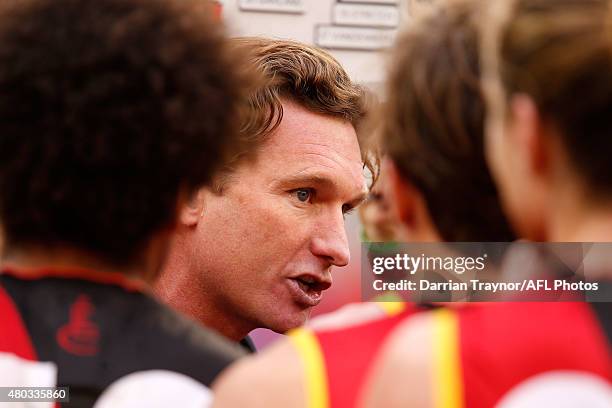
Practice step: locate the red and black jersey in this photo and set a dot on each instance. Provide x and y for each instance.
(482, 353)
(99, 327)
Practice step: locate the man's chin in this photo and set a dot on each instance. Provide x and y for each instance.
(290, 321)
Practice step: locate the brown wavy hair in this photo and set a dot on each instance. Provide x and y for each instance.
(303, 74)
(433, 124)
(559, 52)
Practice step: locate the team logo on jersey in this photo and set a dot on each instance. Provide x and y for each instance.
(80, 336)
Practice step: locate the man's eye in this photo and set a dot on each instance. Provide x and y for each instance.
(303, 194)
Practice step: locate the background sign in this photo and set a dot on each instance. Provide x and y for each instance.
(371, 1)
(354, 38)
(274, 6)
(365, 15)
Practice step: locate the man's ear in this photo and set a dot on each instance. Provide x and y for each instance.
(528, 135)
(403, 194)
(193, 208)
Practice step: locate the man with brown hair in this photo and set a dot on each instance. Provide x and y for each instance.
(257, 249)
(503, 354)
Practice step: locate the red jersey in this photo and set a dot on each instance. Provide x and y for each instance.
(483, 353)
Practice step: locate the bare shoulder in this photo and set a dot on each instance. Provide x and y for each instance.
(402, 374)
(273, 378)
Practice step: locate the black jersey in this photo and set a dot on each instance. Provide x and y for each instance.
(99, 327)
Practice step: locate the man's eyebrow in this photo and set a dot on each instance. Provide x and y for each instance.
(321, 180)
(307, 178)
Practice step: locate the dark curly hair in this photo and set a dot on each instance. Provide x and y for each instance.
(108, 110)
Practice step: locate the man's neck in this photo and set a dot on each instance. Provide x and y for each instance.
(225, 325)
(184, 293)
(592, 224)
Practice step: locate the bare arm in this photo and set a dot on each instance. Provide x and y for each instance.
(403, 373)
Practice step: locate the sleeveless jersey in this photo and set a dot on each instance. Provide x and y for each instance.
(482, 352)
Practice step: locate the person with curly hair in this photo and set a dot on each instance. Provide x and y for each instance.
(112, 113)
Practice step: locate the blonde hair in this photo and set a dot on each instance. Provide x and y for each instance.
(559, 53)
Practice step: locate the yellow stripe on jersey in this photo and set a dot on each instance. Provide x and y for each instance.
(390, 303)
(447, 360)
(315, 373)
(392, 308)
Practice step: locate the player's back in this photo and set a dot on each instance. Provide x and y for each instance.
(478, 354)
(96, 328)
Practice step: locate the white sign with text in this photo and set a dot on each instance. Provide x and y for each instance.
(365, 15)
(371, 1)
(273, 6)
(354, 38)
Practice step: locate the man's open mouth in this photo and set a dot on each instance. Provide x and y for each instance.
(307, 289)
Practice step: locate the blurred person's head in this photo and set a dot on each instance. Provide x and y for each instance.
(378, 219)
(433, 134)
(257, 249)
(110, 112)
(548, 66)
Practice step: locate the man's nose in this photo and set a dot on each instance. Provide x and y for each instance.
(330, 241)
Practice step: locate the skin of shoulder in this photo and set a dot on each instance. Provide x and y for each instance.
(401, 377)
(402, 374)
(271, 379)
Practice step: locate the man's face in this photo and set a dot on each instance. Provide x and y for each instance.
(265, 245)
